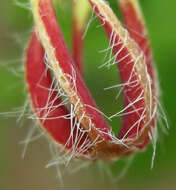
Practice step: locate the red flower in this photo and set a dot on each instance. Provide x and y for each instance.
(82, 130)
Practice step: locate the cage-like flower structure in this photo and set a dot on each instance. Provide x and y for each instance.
(62, 103)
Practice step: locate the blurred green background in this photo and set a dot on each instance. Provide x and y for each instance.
(30, 173)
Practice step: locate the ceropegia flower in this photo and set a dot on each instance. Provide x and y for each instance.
(80, 128)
